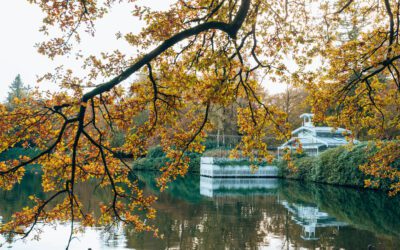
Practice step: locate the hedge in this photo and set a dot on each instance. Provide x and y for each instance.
(156, 159)
(339, 166)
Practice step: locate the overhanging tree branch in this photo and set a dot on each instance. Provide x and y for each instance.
(231, 29)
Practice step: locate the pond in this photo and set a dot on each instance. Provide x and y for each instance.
(203, 213)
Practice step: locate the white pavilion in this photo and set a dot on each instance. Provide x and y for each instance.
(314, 139)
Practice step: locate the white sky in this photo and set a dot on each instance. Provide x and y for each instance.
(19, 24)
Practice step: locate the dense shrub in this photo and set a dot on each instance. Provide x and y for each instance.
(156, 159)
(155, 152)
(334, 166)
(210, 144)
(151, 164)
(194, 165)
(304, 168)
(341, 165)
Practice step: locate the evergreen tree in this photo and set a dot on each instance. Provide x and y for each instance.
(17, 90)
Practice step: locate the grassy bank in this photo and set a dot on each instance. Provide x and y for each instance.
(338, 166)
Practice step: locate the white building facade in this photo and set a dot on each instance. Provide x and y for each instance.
(314, 140)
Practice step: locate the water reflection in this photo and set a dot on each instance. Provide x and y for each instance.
(197, 213)
(213, 187)
(309, 217)
(56, 237)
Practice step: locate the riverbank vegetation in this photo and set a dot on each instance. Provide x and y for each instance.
(339, 166)
(156, 159)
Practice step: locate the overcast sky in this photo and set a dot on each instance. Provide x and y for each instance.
(19, 24)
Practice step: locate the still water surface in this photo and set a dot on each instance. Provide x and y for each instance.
(203, 213)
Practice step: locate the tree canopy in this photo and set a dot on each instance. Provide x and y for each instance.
(197, 55)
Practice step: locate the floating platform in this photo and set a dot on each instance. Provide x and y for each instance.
(209, 168)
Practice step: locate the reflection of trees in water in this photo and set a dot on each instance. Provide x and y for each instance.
(189, 220)
(232, 224)
(373, 217)
(113, 236)
(365, 209)
(186, 219)
(224, 222)
(244, 221)
(18, 198)
(89, 194)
